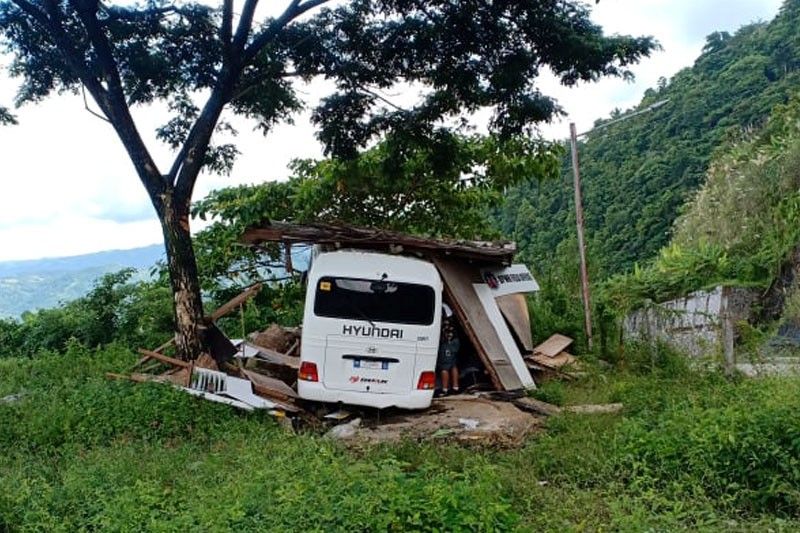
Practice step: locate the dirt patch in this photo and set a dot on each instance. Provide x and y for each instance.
(468, 419)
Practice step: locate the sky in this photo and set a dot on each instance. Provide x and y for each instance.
(68, 188)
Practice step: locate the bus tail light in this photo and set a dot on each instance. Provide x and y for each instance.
(308, 372)
(427, 381)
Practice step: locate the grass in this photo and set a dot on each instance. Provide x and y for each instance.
(690, 451)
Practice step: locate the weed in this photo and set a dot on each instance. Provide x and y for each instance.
(692, 450)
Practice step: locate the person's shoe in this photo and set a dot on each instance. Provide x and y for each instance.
(438, 393)
(452, 391)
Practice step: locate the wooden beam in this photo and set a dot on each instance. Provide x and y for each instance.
(165, 359)
(220, 312)
(375, 239)
(234, 303)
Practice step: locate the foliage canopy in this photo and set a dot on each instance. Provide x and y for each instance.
(461, 56)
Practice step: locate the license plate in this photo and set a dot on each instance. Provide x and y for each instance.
(371, 365)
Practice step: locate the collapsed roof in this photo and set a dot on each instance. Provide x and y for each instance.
(460, 263)
(341, 236)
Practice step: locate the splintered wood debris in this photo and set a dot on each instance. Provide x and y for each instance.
(553, 345)
(260, 372)
(221, 376)
(341, 236)
(551, 355)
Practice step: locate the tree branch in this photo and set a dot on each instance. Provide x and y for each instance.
(189, 161)
(116, 106)
(122, 13)
(226, 29)
(244, 26)
(91, 111)
(269, 34)
(50, 23)
(382, 98)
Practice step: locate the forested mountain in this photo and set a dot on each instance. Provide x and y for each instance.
(41, 283)
(638, 174)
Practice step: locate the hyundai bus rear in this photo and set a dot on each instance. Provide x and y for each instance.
(370, 330)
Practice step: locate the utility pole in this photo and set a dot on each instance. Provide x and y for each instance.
(576, 173)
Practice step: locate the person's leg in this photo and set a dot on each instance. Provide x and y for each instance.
(454, 378)
(445, 374)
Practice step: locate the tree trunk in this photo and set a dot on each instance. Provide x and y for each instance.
(187, 304)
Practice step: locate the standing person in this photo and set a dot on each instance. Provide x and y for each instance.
(449, 345)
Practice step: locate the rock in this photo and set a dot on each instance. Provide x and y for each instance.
(11, 398)
(344, 431)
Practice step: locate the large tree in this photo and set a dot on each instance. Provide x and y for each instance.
(458, 55)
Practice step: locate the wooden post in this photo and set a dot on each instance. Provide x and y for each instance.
(287, 251)
(587, 303)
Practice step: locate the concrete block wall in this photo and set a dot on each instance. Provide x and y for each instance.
(701, 324)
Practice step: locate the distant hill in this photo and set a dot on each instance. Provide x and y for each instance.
(638, 174)
(42, 283)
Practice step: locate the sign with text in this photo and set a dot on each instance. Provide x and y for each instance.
(509, 280)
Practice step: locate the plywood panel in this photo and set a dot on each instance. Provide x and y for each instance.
(515, 309)
(553, 346)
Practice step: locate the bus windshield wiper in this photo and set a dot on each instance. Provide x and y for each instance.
(358, 310)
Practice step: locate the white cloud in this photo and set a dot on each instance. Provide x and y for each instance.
(65, 235)
(68, 187)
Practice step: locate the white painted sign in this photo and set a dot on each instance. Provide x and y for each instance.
(509, 280)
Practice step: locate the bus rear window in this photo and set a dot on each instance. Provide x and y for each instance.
(376, 301)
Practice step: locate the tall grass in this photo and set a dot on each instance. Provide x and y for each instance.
(691, 450)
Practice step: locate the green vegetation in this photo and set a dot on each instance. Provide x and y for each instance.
(691, 450)
(739, 228)
(121, 309)
(442, 188)
(638, 174)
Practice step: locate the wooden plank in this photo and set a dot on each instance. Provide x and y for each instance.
(515, 310)
(276, 358)
(557, 362)
(139, 378)
(592, 409)
(458, 278)
(164, 358)
(234, 303)
(532, 405)
(553, 346)
(511, 354)
(270, 386)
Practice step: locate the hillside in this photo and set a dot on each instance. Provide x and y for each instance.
(637, 175)
(43, 283)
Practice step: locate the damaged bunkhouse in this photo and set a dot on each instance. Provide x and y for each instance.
(376, 305)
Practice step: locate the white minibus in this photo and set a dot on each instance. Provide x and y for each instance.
(370, 330)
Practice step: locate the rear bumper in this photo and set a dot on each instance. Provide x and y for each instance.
(413, 399)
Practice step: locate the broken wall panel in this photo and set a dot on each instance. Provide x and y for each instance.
(458, 279)
(512, 353)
